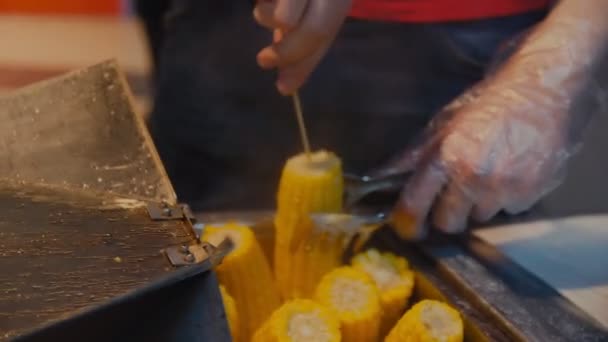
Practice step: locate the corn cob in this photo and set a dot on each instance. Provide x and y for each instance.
(300, 320)
(319, 253)
(231, 313)
(246, 275)
(352, 294)
(394, 281)
(301, 257)
(428, 320)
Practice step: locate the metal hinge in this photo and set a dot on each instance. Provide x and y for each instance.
(197, 253)
(164, 211)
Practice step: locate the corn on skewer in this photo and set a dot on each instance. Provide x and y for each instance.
(394, 281)
(306, 186)
(353, 296)
(428, 320)
(231, 313)
(300, 320)
(246, 275)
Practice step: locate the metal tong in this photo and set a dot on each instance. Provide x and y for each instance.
(358, 188)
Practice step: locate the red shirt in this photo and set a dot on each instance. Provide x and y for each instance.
(441, 10)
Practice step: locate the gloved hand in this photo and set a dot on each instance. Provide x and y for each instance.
(303, 32)
(504, 144)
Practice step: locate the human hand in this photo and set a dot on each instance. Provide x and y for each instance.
(303, 32)
(499, 152)
(501, 146)
(504, 144)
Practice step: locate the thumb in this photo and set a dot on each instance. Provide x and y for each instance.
(417, 198)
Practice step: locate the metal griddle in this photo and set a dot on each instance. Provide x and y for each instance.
(499, 300)
(87, 218)
(92, 236)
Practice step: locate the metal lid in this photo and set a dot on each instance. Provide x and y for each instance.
(78, 177)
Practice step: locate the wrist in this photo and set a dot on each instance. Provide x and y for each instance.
(568, 51)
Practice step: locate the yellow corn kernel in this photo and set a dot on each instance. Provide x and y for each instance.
(247, 276)
(394, 281)
(231, 313)
(308, 185)
(319, 253)
(353, 296)
(429, 321)
(300, 320)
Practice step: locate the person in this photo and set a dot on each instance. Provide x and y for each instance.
(151, 13)
(486, 125)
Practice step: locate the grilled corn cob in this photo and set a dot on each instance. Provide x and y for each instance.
(307, 185)
(231, 313)
(430, 321)
(352, 294)
(393, 279)
(300, 320)
(246, 275)
(319, 253)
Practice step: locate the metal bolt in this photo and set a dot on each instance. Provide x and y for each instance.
(184, 249)
(189, 258)
(167, 211)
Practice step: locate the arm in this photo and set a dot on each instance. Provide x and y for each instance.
(569, 51)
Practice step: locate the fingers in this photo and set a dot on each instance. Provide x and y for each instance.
(486, 209)
(277, 35)
(307, 27)
(293, 77)
(283, 15)
(263, 13)
(416, 201)
(289, 12)
(452, 210)
(317, 24)
(521, 203)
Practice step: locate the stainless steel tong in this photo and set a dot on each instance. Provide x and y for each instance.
(356, 189)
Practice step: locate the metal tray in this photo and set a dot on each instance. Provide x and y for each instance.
(499, 300)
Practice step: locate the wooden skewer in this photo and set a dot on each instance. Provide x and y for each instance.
(301, 124)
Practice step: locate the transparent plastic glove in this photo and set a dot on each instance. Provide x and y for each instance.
(504, 144)
(303, 32)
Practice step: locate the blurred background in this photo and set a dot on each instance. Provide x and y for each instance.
(40, 39)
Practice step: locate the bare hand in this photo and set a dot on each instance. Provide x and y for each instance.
(303, 32)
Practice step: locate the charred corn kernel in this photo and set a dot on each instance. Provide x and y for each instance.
(231, 313)
(353, 296)
(247, 276)
(428, 320)
(394, 281)
(309, 184)
(300, 320)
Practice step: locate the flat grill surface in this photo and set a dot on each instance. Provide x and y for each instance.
(78, 169)
(61, 254)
